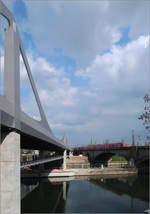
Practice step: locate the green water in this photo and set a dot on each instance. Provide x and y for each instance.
(88, 195)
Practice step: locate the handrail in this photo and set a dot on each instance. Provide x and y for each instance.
(40, 161)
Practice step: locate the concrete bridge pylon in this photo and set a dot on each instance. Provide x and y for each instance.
(10, 173)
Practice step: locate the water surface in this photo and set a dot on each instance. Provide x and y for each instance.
(89, 195)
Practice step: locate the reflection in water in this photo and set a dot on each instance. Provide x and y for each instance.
(47, 197)
(135, 187)
(88, 194)
(27, 186)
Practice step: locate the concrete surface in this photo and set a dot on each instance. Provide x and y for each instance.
(104, 171)
(10, 174)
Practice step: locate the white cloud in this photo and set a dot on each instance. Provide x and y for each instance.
(121, 68)
(110, 106)
(84, 29)
(54, 88)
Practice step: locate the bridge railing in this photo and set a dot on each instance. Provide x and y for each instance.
(39, 161)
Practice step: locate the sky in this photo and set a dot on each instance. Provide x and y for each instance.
(89, 60)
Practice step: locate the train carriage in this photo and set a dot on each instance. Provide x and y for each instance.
(98, 146)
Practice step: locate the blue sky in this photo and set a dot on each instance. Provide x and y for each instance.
(19, 8)
(90, 65)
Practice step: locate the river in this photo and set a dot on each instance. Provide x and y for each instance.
(129, 194)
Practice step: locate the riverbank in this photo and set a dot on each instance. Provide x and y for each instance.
(80, 172)
(105, 171)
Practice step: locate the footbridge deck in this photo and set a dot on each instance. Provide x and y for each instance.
(41, 161)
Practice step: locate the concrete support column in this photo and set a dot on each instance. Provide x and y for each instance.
(42, 155)
(10, 173)
(64, 190)
(64, 160)
(131, 163)
(70, 154)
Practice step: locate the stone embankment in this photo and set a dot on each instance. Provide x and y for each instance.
(89, 171)
(81, 172)
(105, 171)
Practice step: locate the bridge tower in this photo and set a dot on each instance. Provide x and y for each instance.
(10, 137)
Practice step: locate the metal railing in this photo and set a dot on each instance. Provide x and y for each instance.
(39, 161)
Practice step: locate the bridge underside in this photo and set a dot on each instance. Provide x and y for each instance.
(104, 157)
(34, 143)
(30, 142)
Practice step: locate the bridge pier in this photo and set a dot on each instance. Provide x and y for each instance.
(64, 160)
(42, 155)
(131, 163)
(64, 190)
(10, 173)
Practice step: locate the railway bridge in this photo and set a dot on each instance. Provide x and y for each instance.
(17, 129)
(137, 156)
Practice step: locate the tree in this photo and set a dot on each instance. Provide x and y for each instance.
(146, 115)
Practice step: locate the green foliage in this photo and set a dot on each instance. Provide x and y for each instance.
(146, 115)
(118, 158)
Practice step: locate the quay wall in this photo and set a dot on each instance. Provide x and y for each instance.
(105, 171)
(83, 172)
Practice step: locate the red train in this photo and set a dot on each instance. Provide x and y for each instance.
(111, 145)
